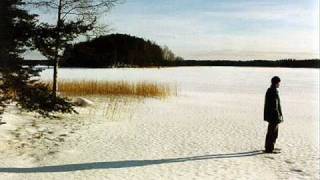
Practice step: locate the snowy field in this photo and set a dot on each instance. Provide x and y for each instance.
(213, 129)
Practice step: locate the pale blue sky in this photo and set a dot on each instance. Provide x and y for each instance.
(229, 29)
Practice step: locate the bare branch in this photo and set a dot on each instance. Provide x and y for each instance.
(69, 11)
(90, 5)
(65, 4)
(43, 3)
(77, 14)
(86, 7)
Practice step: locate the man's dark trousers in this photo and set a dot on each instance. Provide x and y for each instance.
(271, 137)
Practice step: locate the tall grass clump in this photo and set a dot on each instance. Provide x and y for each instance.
(145, 89)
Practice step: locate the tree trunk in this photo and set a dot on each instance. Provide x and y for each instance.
(56, 58)
(55, 77)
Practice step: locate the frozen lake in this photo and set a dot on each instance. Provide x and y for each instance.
(205, 79)
(218, 110)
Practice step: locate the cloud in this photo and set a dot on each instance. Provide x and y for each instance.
(263, 15)
(195, 35)
(250, 55)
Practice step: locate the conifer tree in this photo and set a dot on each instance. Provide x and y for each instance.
(19, 84)
(74, 18)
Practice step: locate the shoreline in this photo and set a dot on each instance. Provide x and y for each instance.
(312, 63)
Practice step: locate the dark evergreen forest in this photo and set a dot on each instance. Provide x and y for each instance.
(116, 50)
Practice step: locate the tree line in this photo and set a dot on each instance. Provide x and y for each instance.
(292, 63)
(117, 50)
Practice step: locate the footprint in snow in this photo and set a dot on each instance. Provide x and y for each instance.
(288, 162)
(299, 171)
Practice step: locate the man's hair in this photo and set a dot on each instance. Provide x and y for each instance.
(275, 80)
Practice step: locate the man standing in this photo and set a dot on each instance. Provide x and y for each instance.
(272, 114)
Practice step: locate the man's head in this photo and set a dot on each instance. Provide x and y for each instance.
(275, 81)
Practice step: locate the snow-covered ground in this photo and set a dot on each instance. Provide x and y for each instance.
(213, 129)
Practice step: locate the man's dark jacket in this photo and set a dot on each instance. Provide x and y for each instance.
(272, 107)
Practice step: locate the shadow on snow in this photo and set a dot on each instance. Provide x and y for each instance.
(123, 164)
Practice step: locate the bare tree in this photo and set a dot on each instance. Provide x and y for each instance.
(168, 55)
(74, 18)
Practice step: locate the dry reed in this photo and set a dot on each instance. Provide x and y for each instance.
(145, 89)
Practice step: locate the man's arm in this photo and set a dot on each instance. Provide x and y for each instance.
(279, 108)
(274, 103)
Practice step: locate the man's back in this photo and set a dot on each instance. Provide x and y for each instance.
(272, 107)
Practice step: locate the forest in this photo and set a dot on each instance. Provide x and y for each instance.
(117, 50)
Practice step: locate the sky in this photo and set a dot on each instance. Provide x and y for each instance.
(221, 29)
